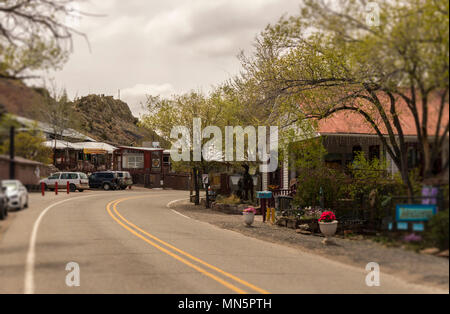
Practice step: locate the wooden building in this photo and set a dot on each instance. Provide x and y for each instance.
(143, 163)
(84, 157)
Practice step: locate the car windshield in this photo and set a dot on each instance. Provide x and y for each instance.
(83, 176)
(11, 186)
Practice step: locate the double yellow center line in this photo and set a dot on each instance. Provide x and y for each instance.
(166, 248)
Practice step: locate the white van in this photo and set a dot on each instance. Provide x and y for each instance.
(77, 181)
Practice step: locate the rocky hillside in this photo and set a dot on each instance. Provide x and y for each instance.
(101, 117)
(111, 120)
(19, 99)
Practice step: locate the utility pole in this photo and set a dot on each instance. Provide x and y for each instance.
(12, 163)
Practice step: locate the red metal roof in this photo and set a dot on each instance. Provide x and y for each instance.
(346, 122)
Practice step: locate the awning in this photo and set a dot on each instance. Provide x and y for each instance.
(95, 148)
(89, 151)
(58, 144)
(89, 148)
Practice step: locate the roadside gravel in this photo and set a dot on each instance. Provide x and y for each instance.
(408, 265)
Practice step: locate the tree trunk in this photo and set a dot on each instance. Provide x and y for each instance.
(405, 174)
(427, 163)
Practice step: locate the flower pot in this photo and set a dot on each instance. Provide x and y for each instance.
(328, 228)
(249, 218)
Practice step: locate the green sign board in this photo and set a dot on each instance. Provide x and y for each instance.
(406, 213)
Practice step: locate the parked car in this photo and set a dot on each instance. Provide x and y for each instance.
(77, 181)
(106, 180)
(16, 193)
(3, 203)
(125, 179)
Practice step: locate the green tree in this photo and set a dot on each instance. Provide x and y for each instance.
(29, 145)
(181, 110)
(34, 35)
(6, 122)
(59, 113)
(329, 59)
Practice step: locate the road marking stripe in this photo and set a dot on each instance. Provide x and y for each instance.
(176, 212)
(180, 214)
(201, 270)
(29, 285)
(243, 282)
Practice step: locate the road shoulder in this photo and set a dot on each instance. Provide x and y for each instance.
(409, 266)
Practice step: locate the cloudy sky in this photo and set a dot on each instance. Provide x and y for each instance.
(163, 47)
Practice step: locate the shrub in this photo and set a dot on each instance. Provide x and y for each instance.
(318, 182)
(438, 231)
(231, 200)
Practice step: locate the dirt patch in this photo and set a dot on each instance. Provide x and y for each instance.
(410, 266)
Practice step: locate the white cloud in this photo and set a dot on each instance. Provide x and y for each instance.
(137, 95)
(137, 44)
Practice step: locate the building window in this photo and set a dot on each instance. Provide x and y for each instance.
(133, 161)
(356, 151)
(412, 158)
(166, 160)
(374, 152)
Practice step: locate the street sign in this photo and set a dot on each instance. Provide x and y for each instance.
(417, 213)
(205, 179)
(418, 227)
(430, 195)
(264, 195)
(402, 226)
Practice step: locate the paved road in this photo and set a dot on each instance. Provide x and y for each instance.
(131, 242)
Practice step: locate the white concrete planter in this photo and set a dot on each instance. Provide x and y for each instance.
(249, 218)
(328, 229)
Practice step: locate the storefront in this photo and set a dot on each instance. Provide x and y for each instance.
(85, 157)
(144, 164)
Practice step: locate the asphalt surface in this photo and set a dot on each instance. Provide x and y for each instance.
(131, 242)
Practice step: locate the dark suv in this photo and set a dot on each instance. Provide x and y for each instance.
(3, 203)
(107, 180)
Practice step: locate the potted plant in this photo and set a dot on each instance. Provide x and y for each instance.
(328, 225)
(249, 216)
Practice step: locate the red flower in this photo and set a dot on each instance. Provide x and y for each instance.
(327, 217)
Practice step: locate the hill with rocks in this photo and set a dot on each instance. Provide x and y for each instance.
(101, 117)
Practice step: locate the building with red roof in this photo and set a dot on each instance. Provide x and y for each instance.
(346, 133)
